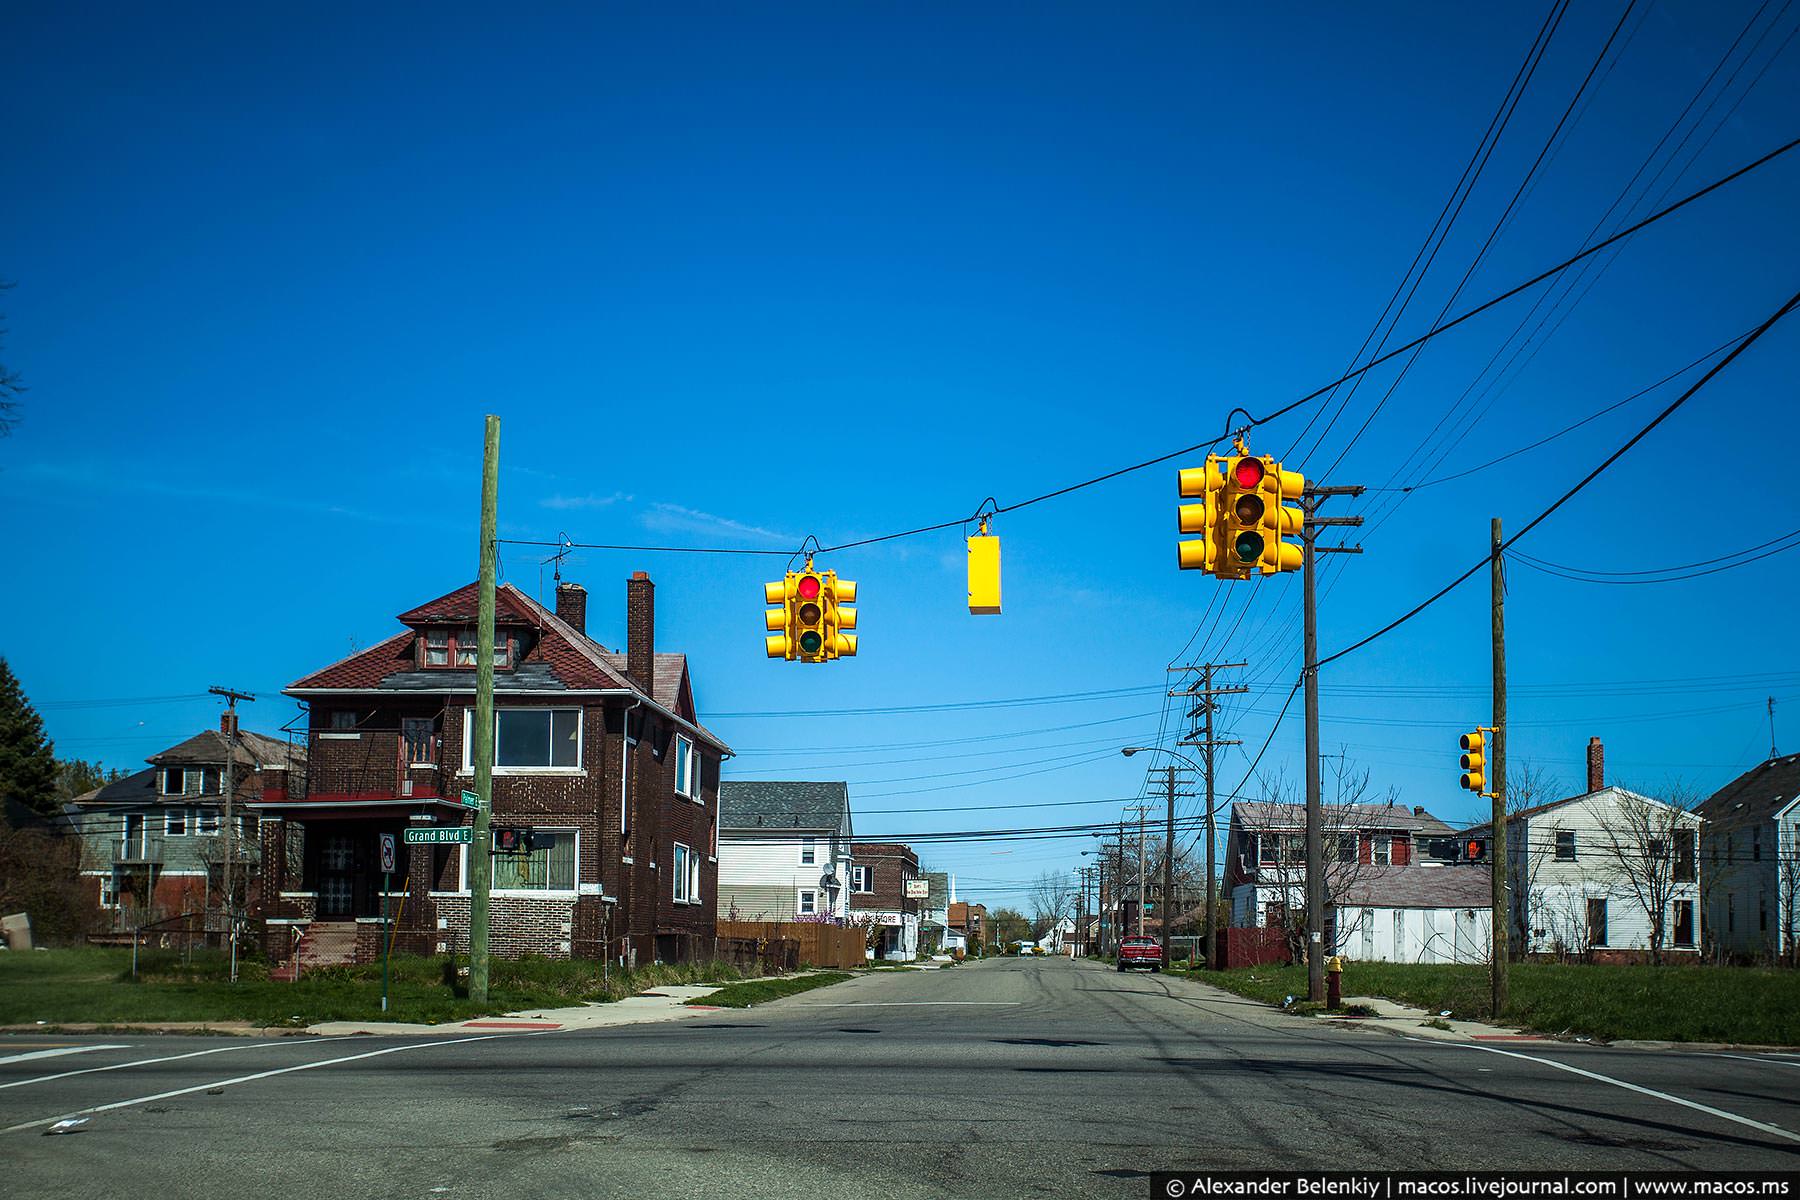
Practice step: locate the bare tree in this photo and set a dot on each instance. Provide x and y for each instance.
(1053, 897)
(1340, 832)
(1529, 784)
(1650, 852)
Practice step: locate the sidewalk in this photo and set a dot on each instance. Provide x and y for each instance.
(663, 1004)
(1393, 1017)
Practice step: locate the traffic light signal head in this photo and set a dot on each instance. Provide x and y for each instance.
(1474, 762)
(1244, 511)
(510, 840)
(1279, 521)
(840, 614)
(1477, 849)
(1205, 485)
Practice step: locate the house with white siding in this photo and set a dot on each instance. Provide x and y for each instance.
(1751, 849)
(784, 850)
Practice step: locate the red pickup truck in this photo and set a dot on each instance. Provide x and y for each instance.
(1140, 952)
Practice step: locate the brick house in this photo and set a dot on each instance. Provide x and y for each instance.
(968, 923)
(879, 875)
(601, 750)
(154, 843)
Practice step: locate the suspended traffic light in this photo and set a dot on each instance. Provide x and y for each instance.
(1204, 484)
(1244, 507)
(984, 572)
(1474, 762)
(1279, 521)
(840, 614)
(813, 611)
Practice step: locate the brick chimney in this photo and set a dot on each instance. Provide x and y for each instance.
(640, 631)
(571, 606)
(228, 722)
(1596, 765)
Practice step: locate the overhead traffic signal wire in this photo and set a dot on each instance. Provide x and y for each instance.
(1637, 437)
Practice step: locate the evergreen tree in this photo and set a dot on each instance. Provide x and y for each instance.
(75, 777)
(27, 761)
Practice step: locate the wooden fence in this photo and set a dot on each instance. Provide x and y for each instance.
(837, 946)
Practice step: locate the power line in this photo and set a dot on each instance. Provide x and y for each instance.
(1639, 436)
(1666, 574)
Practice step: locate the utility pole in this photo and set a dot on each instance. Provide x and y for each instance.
(1205, 739)
(481, 863)
(229, 789)
(1315, 853)
(1100, 899)
(1168, 882)
(1502, 910)
(1773, 753)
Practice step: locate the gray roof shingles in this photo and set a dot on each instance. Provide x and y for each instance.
(1756, 795)
(782, 804)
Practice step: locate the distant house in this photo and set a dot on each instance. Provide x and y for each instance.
(1390, 894)
(784, 850)
(934, 912)
(881, 873)
(154, 843)
(1751, 849)
(599, 755)
(967, 926)
(1605, 874)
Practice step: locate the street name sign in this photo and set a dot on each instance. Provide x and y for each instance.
(471, 799)
(440, 834)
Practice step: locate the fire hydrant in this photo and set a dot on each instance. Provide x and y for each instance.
(1334, 981)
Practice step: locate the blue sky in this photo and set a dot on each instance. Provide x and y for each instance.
(735, 277)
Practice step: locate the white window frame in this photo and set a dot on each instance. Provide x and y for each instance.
(804, 898)
(175, 823)
(109, 889)
(193, 781)
(809, 851)
(683, 858)
(626, 746)
(573, 833)
(1381, 851)
(468, 741)
(205, 821)
(694, 877)
(687, 768)
(862, 879)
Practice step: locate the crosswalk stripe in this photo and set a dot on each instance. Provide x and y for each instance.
(13, 1058)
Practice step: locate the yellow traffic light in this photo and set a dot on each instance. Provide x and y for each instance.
(1279, 521)
(984, 572)
(779, 620)
(1474, 762)
(840, 614)
(1243, 509)
(1204, 484)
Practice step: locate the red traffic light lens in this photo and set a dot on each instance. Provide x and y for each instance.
(810, 614)
(808, 587)
(1248, 472)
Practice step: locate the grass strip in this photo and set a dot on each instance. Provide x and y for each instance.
(1748, 1005)
(761, 991)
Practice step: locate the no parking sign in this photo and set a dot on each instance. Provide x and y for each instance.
(387, 854)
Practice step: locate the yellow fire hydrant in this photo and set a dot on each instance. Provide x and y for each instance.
(1334, 981)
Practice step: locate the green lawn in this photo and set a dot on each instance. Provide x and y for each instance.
(1684, 1004)
(761, 991)
(94, 985)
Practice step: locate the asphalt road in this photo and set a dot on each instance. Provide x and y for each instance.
(1006, 1078)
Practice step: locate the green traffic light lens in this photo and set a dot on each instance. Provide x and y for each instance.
(1249, 547)
(810, 642)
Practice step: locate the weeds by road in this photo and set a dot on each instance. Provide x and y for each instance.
(761, 991)
(1680, 1004)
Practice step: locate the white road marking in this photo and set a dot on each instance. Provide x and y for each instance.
(145, 1062)
(1775, 1130)
(1779, 1062)
(13, 1058)
(907, 1003)
(225, 1083)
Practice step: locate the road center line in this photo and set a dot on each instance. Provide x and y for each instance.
(13, 1058)
(146, 1062)
(225, 1083)
(1775, 1130)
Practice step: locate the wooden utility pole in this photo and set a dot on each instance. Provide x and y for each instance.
(1168, 882)
(1205, 739)
(481, 863)
(228, 788)
(1502, 913)
(1315, 852)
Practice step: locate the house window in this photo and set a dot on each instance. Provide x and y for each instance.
(204, 821)
(626, 746)
(527, 739)
(437, 648)
(1384, 851)
(1565, 846)
(1596, 922)
(809, 851)
(419, 737)
(468, 648)
(1346, 847)
(683, 885)
(1756, 844)
(182, 781)
(465, 648)
(211, 781)
(1684, 922)
(1293, 847)
(1684, 856)
(694, 877)
(1274, 914)
(1266, 849)
(343, 720)
(809, 902)
(546, 869)
(109, 890)
(687, 781)
(862, 879)
(175, 822)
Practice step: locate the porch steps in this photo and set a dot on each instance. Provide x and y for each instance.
(324, 944)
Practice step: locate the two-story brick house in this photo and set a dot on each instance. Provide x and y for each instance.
(601, 750)
(155, 843)
(880, 875)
